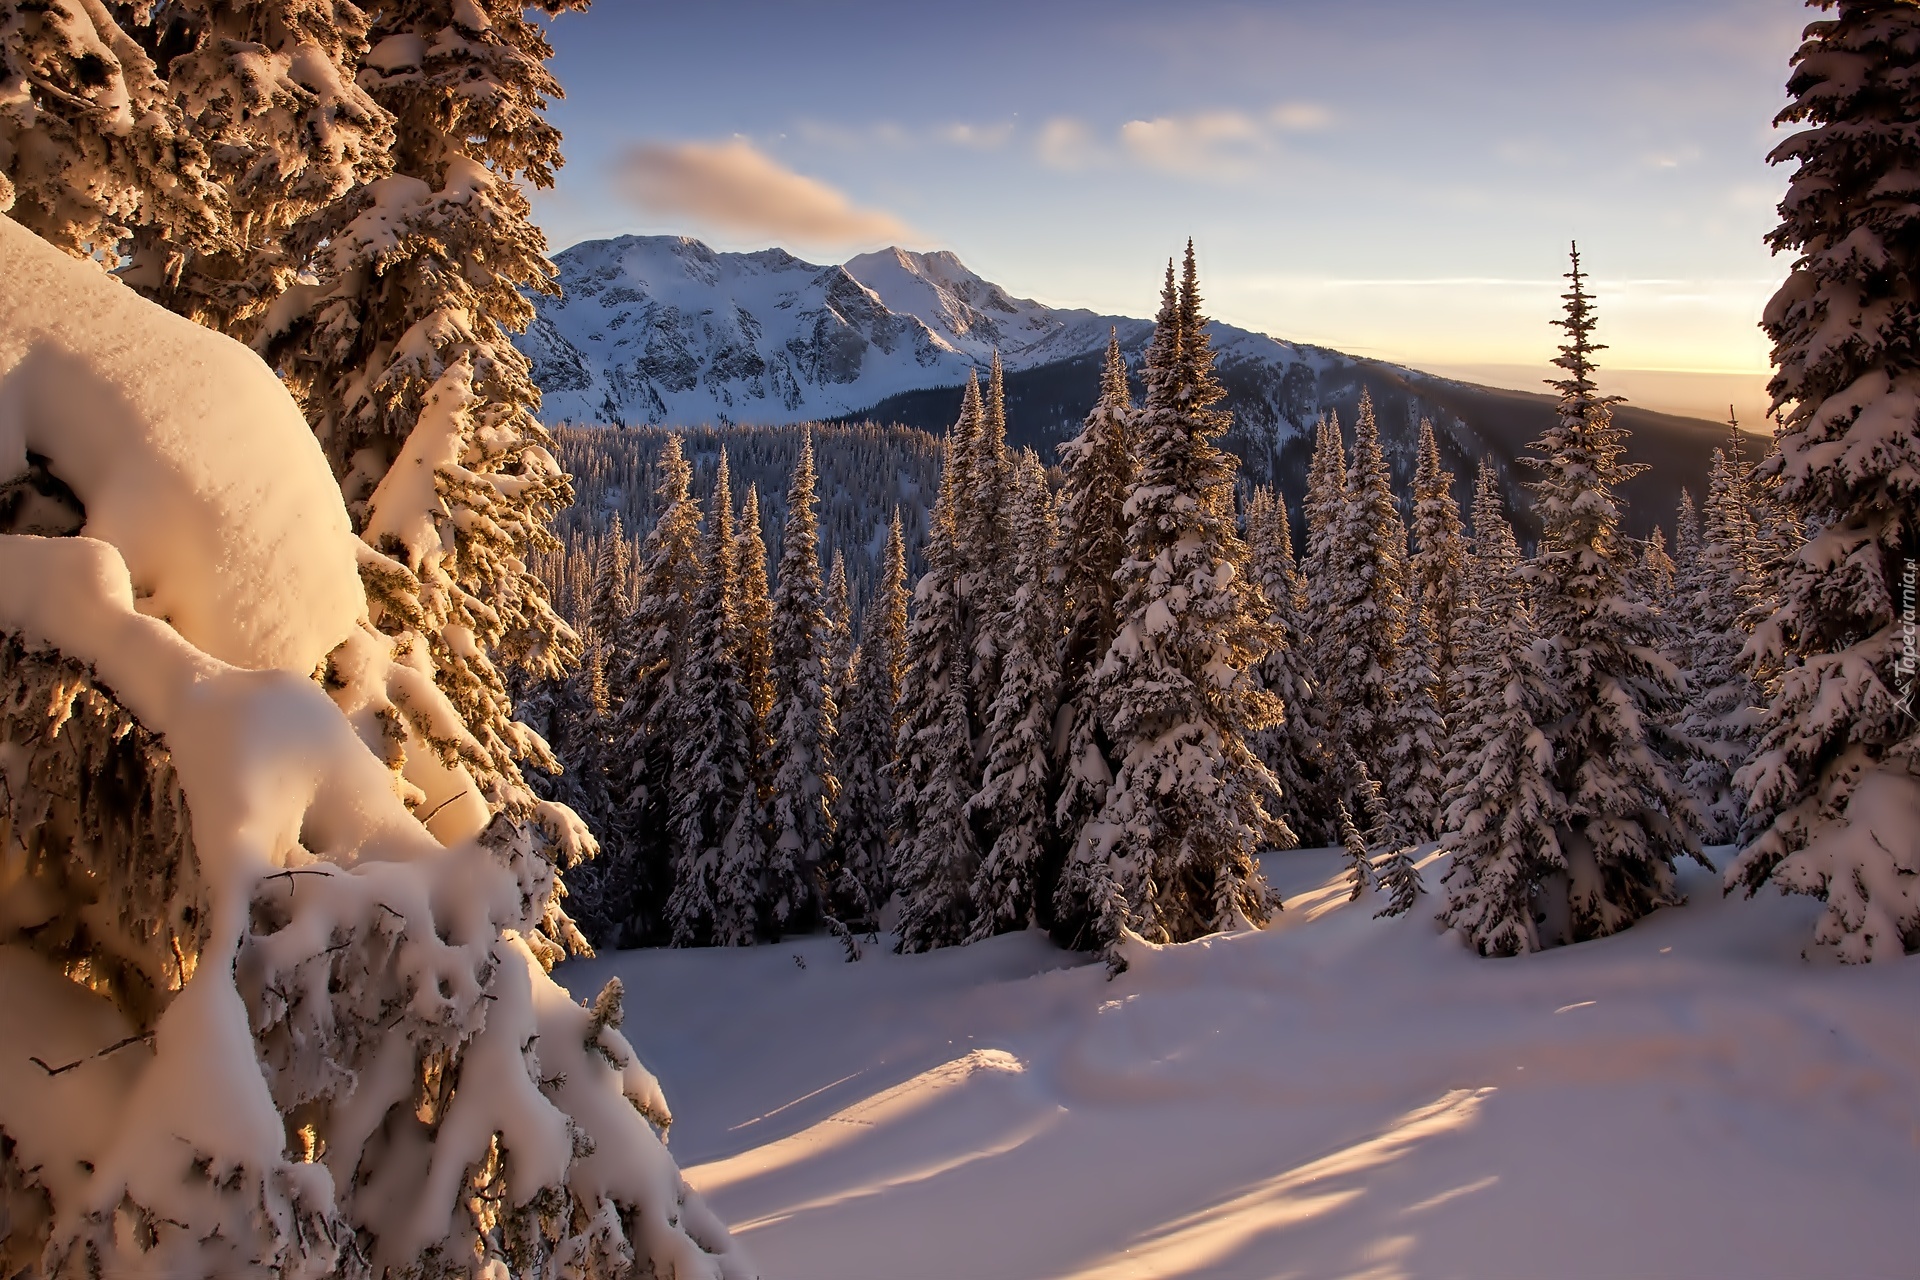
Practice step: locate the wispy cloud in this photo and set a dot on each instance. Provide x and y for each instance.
(1223, 144)
(972, 135)
(1300, 117)
(732, 186)
(977, 137)
(1211, 144)
(1067, 143)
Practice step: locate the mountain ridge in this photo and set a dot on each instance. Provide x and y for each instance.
(668, 331)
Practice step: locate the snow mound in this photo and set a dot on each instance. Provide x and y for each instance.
(254, 1016)
(188, 454)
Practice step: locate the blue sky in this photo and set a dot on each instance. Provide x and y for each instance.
(1392, 179)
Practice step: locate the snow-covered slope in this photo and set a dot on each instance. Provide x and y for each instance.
(663, 329)
(1336, 1096)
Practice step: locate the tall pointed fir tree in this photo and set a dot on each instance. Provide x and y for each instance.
(1414, 748)
(802, 724)
(987, 552)
(399, 351)
(1324, 506)
(717, 875)
(638, 877)
(1835, 784)
(1366, 601)
(1090, 907)
(1099, 471)
(750, 835)
(756, 606)
(863, 829)
(610, 597)
(1627, 815)
(838, 608)
(1294, 750)
(1016, 785)
(936, 858)
(1438, 566)
(1189, 805)
(1504, 810)
(1723, 711)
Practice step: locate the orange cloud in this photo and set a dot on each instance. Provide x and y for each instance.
(732, 186)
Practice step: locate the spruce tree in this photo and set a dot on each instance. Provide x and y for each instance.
(1627, 817)
(399, 351)
(1353, 842)
(610, 599)
(1412, 762)
(802, 724)
(1295, 749)
(1723, 712)
(1835, 783)
(1504, 810)
(716, 873)
(839, 615)
(646, 725)
(1439, 561)
(1189, 805)
(1090, 904)
(937, 857)
(1017, 783)
(1365, 589)
(1099, 470)
(863, 829)
(756, 607)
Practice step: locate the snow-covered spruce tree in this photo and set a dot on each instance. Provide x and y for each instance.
(838, 608)
(756, 607)
(1294, 750)
(92, 145)
(804, 783)
(610, 597)
(1099, 469)
(1659, 577)
(1413, 753)
(1835, 783)
(717, 876)
(399, 352)
(1354, 843)
(1364, 585)
(1438, 566)
(1188, 807)
(306, 1036)
(1324, 506)
(268, 88)
(988, 556)
(863, 829)
(635, 884)
(1723, 710)
(1016, 788)
(1503, 806)
(1627, 816)
(936, 858)
(1090, 905)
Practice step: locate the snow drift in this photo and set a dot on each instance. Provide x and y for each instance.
(253, 1015)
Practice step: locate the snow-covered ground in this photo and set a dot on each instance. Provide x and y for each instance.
(1336, 1096)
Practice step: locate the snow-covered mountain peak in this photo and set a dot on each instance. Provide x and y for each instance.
(665, 329)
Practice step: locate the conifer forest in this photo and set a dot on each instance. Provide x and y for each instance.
(647, 760)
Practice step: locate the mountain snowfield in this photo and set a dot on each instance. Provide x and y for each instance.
(1337, 1095)
(663, 329)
